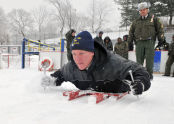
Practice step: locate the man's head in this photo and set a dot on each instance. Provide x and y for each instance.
(119, 40)
(100, 33)
(82, 49)
(107, 39)
(143, 8)
(125, 37)
(73, 32)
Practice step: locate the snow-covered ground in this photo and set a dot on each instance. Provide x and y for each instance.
(24, 101)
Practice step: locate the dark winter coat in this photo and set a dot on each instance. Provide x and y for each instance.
(130, 44)
(165, 46)
(69, 39)
(105, 73)
(171, 49)
(108, 44)
(99, 40)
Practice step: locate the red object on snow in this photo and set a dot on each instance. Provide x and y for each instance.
(99, 96)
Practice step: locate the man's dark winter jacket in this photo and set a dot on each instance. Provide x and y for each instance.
(108, 44)
(99, 40)
(69, 38)
(105, 73)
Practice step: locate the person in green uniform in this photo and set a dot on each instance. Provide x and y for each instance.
(143, 32)
(121, 48)
(170, 59)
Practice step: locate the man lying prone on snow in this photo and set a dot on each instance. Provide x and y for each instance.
(92, 67)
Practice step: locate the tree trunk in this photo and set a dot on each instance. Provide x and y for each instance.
(170, 20)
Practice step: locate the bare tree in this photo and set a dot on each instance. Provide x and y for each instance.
(40, 16)
(103, 10)
(65, 14)
(99, 11)
(93, 15)
(61, 10)
(82, 23)
(71, 16)
(20, 21)
(4, 36)
(50, 29)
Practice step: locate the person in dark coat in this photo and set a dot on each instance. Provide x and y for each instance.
(69, 37)
(92, 67)
(164, 46)
(108, 43)
(170, 59)
(98, 38)
(130, 44)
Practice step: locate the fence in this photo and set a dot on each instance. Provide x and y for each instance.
(10, 49)
(14, 61)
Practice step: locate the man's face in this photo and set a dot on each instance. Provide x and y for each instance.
(73, 34)
(143, 12)
(124, 38)
(107, 41)
(100, 34)
(82, 58)
(119, 40)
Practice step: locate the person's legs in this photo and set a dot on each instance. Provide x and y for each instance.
(68, 54)
(168, 66)
(140, 52)
(149, 55)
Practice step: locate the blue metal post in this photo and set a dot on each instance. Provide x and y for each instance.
(23, 53)
(62, 45)
(62, 51)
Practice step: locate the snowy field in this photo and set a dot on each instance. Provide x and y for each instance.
(24, 101)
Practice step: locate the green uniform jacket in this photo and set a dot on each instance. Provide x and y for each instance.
(146, 29)
(121, 49)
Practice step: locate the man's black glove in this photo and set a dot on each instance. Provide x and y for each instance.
(160, 43)
(137, 87)
(59, 77)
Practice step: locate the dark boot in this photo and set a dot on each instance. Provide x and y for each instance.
(151, 77)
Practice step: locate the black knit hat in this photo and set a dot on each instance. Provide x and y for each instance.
(72, 31)
(83, 41)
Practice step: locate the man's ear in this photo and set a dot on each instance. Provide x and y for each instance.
(93, 53)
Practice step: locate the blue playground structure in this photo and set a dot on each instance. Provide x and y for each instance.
(26, 46)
